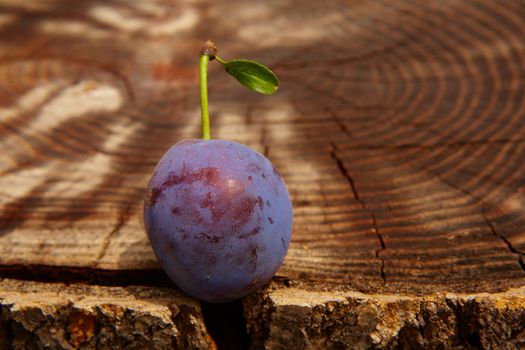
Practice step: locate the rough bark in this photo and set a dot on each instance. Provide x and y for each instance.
(37, 315)
(290, 318)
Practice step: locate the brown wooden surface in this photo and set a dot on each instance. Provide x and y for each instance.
(399, 129)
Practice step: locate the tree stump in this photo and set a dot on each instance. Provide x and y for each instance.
(399, 128)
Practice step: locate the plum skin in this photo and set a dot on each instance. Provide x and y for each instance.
(219, 218)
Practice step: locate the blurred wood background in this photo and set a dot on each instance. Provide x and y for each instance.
(399, 128)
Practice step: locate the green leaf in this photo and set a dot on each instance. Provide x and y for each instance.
(253, 75)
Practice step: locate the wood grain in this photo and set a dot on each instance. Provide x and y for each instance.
(399, 128)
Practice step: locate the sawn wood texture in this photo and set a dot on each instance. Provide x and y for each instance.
(398, 127)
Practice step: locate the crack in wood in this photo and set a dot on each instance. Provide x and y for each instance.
(348, 177)
(483, 208)
(507, 242)
(122, 219)
(344, 171)
(381, 241)
(335, 117)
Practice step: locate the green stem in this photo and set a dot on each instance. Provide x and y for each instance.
(220, 60)
(203, 80)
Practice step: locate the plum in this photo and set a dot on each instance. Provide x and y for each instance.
(219, 218)
(218, 214)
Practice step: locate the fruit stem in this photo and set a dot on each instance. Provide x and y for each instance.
(220, 60)
(208, 52)
(203, 80)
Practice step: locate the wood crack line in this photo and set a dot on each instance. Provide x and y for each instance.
(489, 223)
(504, 239)
(375, 228)
(122, 218)
(339, 122)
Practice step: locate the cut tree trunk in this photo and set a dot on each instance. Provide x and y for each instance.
(68, 317)
(399, 129)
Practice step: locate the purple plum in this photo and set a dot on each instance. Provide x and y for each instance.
(219, 218)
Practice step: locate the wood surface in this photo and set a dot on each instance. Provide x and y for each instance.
(399, 128)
